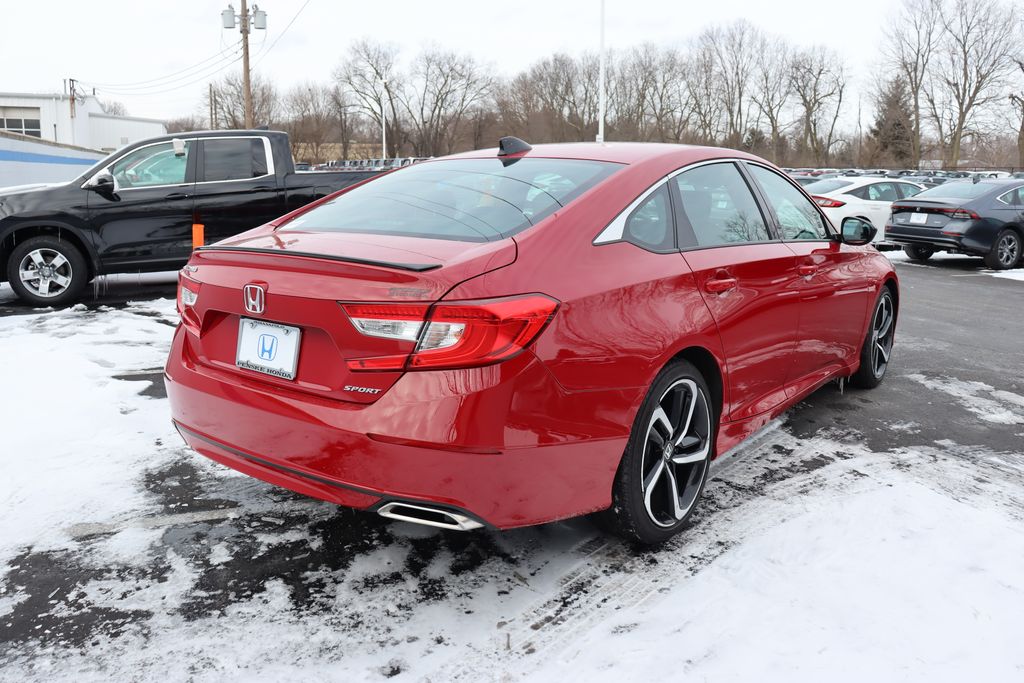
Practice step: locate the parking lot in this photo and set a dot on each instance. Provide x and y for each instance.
(863, 533)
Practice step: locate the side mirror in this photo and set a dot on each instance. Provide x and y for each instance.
(857, 231)
(103, 183)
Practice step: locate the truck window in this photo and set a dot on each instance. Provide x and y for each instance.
(151, 165)
(234, 159)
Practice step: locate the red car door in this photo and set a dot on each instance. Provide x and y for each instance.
(836, 292)
(747, 279)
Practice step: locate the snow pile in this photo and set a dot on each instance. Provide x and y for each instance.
(75, 438)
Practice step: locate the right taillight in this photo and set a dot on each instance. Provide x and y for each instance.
(455, 334)
(828, 202)
(188, 297)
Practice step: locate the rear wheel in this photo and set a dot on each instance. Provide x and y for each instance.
(1005, 252)
(665, 465)
(874, 355)
(916, 252)
(47, 271)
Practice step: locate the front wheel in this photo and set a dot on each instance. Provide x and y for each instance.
(666, 462)
(916, 252)
(47, 271)
(874, 354)
(1005, 252)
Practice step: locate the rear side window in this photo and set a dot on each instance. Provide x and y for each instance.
(719, 207)
(907, 190)
(797, 216)
(234, 159)
(471, 200)
(650, 225)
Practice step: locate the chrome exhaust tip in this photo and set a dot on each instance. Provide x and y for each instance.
(428, 516)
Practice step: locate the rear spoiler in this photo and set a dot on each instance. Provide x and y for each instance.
(414, 267)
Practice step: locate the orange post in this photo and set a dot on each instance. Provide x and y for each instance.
(198, 235)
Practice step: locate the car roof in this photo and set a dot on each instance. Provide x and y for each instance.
(617, 152)
(861, 181)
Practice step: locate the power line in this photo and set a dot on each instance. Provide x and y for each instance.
(176, 83)
(154, 81)
(281, 35)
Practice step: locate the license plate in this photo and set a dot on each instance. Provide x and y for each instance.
(269, 348)
(918, 218)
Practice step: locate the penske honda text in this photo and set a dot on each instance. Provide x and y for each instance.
(510, 337)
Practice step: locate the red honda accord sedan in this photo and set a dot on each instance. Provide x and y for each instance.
(505, 338)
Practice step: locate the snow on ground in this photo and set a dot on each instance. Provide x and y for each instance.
(978, 266)
(125, 557)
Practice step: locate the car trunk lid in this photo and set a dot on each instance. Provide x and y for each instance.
(304, 278)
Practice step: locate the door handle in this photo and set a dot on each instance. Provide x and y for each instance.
(807, 270)
(721, 282)
(174, 196)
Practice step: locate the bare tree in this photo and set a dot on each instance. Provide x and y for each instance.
(701, 79)
(185, 124)
(311, 120)
(734, 50)
(114, 108)
(443, 88)
(818, 79)
(772, 88)
(229, 101)
(1017, 99)
(974, 60)
(370, 73)
(911, 40)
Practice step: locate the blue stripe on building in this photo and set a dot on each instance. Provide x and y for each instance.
(33, 158)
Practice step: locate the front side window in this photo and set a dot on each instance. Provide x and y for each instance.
(471, 200)
(719, 207)
(151, 166)
(234, 159)
(797, 216)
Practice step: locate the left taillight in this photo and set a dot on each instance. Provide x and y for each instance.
(188, 296)
(455, 334)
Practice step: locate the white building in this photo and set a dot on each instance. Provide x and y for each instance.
(82, 122)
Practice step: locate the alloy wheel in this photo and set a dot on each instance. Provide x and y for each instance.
(676, 453)
(1008, 250)
(883, 331)
(45, 272)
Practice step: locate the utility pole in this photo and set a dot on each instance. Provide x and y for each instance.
(383, 123)
(247, 85)
(245, 23)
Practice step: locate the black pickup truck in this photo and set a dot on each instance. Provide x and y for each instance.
(146, 206)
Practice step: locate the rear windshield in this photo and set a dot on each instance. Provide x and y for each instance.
(823, 186)
(956, 190)
(471, 200)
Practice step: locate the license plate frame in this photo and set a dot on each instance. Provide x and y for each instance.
(255, 345)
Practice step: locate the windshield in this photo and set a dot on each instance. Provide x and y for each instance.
(824, 186)
(956, 190)
(472, 200)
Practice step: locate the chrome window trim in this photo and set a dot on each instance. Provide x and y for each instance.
(266, 150)
(617, 227)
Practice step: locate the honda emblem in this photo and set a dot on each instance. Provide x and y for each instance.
(254, 297)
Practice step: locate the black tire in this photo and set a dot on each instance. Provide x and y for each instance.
(916, 252)
(71, 275)
(877, 348)
(1006, 251)
(630, 515)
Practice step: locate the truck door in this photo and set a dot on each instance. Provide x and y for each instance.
(147, 223)
(237, 187)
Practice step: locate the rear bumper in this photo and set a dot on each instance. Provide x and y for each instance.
(931, 237)
(504, 445)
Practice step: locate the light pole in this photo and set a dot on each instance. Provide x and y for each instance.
(383, 123)
(600, 84)
(245, 23)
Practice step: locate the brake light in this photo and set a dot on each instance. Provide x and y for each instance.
(456, 334)
(188, 296)
(828, 203)
(962, 214)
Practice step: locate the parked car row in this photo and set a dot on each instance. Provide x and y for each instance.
(367, 164)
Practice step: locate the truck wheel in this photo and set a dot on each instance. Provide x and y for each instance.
(46, 271)
(663, 470)
(1005, 252)
(916, 252)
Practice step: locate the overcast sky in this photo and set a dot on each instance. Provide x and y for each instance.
(128, 43)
